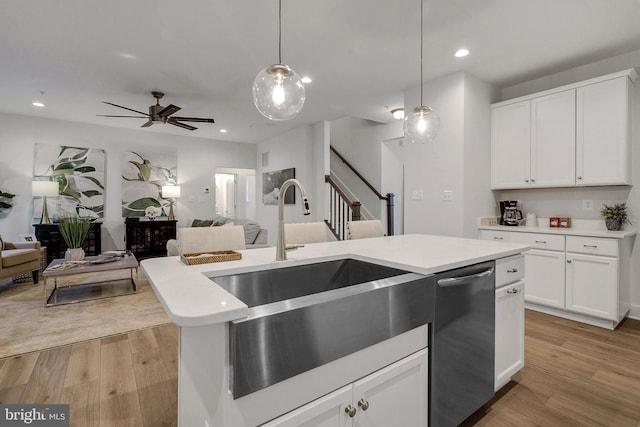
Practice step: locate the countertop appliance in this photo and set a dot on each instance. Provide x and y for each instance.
(510, 212)
(463, 346)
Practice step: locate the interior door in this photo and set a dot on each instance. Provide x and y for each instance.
(226, 194)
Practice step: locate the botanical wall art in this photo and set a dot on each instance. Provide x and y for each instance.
(271, 183)
(143, 175)
(5, 200)
(80, 176)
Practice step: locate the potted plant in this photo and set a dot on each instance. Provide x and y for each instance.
(615, 216)
(74, 231)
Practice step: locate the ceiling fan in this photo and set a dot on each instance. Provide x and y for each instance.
(158, 113)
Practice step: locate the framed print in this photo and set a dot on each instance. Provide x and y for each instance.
(271, 183)
(29, 237)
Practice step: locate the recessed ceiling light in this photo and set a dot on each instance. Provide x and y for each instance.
(37, 104)
(398, 113)
(306, 79)
(223, 131)
(461, 53)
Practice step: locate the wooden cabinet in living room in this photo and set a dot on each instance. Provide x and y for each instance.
(147, 239)
(395, 395)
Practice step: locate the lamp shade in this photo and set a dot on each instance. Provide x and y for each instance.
(44, 188)
(170, 191)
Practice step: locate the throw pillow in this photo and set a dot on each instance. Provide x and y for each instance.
(202, 223)
(251, 231)
(1, 244)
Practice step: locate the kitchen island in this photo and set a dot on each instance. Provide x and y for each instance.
(203, 311)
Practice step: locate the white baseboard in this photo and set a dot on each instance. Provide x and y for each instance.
(634, 312)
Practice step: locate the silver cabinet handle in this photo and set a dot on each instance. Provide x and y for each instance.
(541, 241)
(363, 404)
(579, 177)
(526, 180)
(533, 180)
(568, 261)
(590, 246)
(464, 280)
(512, 291)
(350, 410)
(512, 270)
(498, 238)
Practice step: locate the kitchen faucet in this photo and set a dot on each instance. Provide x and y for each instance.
(281, 253)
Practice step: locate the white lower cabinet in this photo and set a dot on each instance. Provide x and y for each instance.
(592, 285)
(545, 277)
(509, 315)
(395, 395)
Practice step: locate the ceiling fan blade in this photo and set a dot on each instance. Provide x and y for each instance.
(133, 117)
(130, 109)
(174, 122)
(147, 124)
(169, 110)
(194, 119)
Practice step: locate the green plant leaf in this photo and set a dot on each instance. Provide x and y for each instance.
(4, 205)
(85, 169)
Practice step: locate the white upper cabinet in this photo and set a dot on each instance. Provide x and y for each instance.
(553, 139)
(510, 145)
(575, 135)
(603, 148)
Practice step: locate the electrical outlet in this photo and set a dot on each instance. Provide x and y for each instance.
(587, 205)
(447, 196)
(417, 195)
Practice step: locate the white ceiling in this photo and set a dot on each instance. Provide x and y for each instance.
(361, 54)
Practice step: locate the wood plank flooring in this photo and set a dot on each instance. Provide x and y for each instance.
(574, 375)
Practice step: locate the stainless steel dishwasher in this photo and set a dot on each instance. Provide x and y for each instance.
(462, 359)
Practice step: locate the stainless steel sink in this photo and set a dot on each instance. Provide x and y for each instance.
(302, 317)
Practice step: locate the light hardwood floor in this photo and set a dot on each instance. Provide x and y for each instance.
(575, 375)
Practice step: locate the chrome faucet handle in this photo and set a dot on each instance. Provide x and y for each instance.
(292, 247)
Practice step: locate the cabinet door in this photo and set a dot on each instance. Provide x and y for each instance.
(603, 146)
(510, 145)
(509, 332)
(395, 395)
(553, 139)
(328, 411)
(545, 274)
(592, 285)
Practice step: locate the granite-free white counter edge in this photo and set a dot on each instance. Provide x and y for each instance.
(587, 232)
(192, 299)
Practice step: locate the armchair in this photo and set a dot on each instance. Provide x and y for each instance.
(20, 257)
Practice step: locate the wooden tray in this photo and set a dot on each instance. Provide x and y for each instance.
(212, 256)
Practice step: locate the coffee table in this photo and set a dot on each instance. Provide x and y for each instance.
(70, 293)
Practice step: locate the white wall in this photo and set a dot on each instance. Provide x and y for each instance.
(197, 160)
(568, 201)
(457, 160)
(293, 149)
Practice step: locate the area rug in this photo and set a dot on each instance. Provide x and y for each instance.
(26, 325)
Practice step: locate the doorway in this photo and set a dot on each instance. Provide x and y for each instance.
(235, 192)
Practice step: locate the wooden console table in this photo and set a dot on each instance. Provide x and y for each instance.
(49, 236)
(148, 239)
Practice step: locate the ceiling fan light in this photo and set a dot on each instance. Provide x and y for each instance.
(398, 113)
(278, 92)
(421, 125)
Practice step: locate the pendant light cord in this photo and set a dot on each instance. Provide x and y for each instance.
(279, 31)
(421, 41)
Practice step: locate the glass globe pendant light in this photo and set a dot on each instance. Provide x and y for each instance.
(422, 123)
(278, 91)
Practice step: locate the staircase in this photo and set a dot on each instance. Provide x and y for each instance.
(342, 209)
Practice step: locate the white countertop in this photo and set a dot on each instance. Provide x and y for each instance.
(579, 227)
(191, 299)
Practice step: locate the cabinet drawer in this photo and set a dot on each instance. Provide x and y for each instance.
(499, 236)
(509, 270)
(550, 242)
(592, 245)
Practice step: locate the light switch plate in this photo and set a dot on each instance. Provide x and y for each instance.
(447, 196)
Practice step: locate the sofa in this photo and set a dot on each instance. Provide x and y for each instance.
(19, 257)
(254, 235)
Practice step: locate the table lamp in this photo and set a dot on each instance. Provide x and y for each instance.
(44, 189)
(171, 192)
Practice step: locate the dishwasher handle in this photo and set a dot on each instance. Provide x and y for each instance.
(464, 280)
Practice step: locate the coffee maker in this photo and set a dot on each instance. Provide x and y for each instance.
(510, 212)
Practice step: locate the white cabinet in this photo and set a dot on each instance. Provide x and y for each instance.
(574, 135)
(509, 332)
(553, 140)
(603, 148)
(578, 277)
(510, 145)
(545, 277)
(395, 395)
